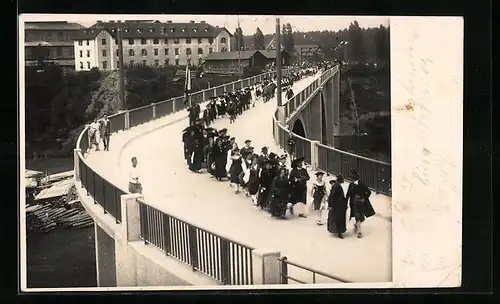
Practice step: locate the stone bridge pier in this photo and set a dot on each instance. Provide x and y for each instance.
(319, 118)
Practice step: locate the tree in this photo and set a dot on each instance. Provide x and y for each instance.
(290, 43)
(258, 40)
(40, 54)
(238, 38)
(382, 42)
(356, 47)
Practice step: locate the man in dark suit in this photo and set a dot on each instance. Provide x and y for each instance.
(358, 195)
(105, 130)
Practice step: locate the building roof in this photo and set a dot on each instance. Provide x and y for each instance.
(46, 43)
(154, 29)
(271, 54)
(52, 25)
(298, 41)
(244, 55)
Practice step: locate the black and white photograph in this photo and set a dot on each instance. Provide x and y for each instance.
(208, 151)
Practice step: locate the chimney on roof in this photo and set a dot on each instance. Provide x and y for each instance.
(191, 21)
(203, 21)
(169, 21)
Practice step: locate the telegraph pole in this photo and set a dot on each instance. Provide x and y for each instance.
(278, 62)
(120, 68)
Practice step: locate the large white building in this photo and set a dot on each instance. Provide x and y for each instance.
(148, 42)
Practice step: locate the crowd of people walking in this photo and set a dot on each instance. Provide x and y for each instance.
(264, 176)
(273, 186)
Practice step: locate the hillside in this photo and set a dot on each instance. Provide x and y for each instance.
(59, 104)
(105, 99)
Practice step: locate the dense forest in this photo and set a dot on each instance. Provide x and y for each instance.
(365, 44)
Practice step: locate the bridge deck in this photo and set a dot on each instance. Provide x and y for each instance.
(201, 200)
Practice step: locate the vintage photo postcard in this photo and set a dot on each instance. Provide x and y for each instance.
(202, 152)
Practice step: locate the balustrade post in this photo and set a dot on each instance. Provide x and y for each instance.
(193, 247)
(131, 219)
(154, 110)
(203, 95)
(266, 267)
(314, 154)
(284, 271)
(76, 165)
(127, 119)
(173, 105)
(234, 86)
(167, 238)
(225, 262)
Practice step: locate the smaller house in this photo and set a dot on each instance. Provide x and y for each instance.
(271, 56)
(234, 63)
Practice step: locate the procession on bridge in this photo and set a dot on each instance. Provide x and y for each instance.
(265, 176)
(209, 161)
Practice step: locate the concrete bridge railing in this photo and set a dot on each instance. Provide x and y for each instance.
(376, 174)
(224, 260)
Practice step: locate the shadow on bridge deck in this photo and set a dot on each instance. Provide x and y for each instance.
(201, 200)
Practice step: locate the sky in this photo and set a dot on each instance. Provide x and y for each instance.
(248, 23)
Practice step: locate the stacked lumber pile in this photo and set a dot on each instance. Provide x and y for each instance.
(65, 211)
(45, 218)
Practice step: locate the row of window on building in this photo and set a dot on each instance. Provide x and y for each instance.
(156, 41)
(144, 62)
(52, 51)
(144, 52)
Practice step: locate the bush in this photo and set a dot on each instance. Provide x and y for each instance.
(56, 101)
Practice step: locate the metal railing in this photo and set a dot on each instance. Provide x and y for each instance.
(284, 274)
(226, 261)
(105, 193)
(376, 174)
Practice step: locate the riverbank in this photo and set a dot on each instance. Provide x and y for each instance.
(61, 258)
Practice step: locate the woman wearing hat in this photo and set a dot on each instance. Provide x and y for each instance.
(266, 179)
(358, 195)
(280, 191)
(264, 156)
(337, 206)
(247, 149)
(282, 162)
(236, 166)
(319, 194)
(219, 158)
(252, 184)
(298, 180)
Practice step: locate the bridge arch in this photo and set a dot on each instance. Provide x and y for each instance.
(298, 128)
